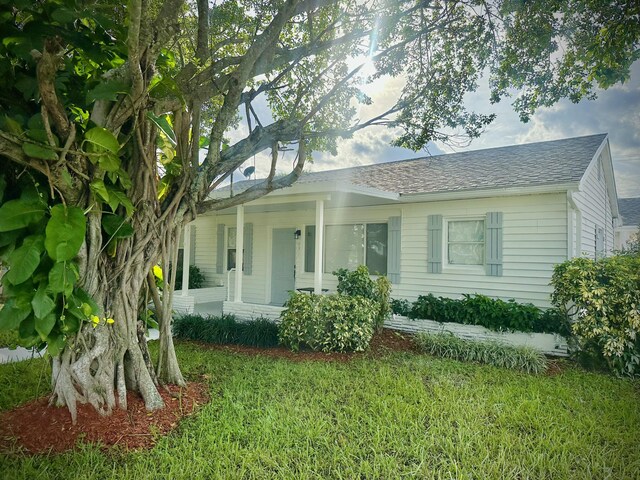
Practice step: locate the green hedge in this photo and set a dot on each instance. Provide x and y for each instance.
(493, 314)
(446, 345)
(226, 329)
(328, 323)
(358, 283)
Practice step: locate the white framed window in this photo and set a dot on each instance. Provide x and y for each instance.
(350, 245)
(464, 242)
(231, 248)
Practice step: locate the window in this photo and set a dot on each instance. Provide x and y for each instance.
(348, 246)
(309, 248)
(465, 242)
(231, 248)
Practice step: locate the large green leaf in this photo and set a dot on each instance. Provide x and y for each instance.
(24, 260)
(118, 197)
(163, 124)
(16, 214)
(97, 187)
(62, 277)
(102, 140)
(109, 162)
(13, 313)
(55, 343)
(43, 152)
(116, 226)
(65, 232)
(107, 91)
(42, 303)
(45, 325)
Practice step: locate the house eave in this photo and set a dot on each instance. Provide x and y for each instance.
(489, 192)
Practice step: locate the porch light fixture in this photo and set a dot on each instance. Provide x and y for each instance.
(297, 234)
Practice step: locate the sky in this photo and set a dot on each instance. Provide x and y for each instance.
(616, 111)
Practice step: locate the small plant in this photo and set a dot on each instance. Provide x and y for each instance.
(225, 329)
(401, 306)
(359, 283)
(196, 277)
(603, 297)
(328, 323)
(493, 353)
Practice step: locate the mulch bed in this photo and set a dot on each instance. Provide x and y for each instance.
(36, 427)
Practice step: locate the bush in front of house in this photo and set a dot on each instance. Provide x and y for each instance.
(494, 314)
(327, 323)
(493, 353)
(603, 298)
(196, 277)
(225, 329)
(358, 282)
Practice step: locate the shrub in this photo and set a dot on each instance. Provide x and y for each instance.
(446, 345)
(196, 277)
(359, 283)
(226, 329)
(401, 306)
(494, 314)
(603, 297)
(327, 323)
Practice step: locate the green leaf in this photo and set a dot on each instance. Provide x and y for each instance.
(85, 298)
(107, 91)
(124, 178)
(163, 124)
(67, 177)
(97, 186)
(24, 260)
(116, 226)
(42, 152)
(55, 344)
(42, 304)
(45, 325)
(13, 313)
(102, 140)
(65, 232)
(40, 136)
(16, 214)
(12, 126)
(118, 197)
(27, 330)
(109, 162)
(62, 277)
(3, 186)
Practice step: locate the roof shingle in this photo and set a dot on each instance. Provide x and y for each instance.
(630, 211)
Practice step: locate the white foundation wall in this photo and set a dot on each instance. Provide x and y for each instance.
(534, 240)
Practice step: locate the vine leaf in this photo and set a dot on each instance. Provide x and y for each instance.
(116, 226)
(16, 214)
(65, 232)
(102, 140)
(62, 277)
(42, 305)
(107, 91)
(163, 124)
(39, 151)
(55, 344)
(25, 259)
(13, 313)
(97, 186)
(118, 197)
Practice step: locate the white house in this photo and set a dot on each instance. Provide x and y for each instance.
(492, 221)
(630, 215)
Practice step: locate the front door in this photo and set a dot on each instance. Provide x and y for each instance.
(283, 257)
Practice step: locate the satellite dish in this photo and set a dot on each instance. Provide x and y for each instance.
(247, 172)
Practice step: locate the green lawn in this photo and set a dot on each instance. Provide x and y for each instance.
(402, 416)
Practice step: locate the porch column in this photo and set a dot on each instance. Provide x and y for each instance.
(186, 259)
(237, 297)
(317, 278)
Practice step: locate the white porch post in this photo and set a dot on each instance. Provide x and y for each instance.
(317, 278)
(237, 297)
(186, 259)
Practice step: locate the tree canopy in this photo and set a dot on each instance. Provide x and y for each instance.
(114, 125)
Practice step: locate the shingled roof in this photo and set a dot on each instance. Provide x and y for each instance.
(630, 211)
(532, 164)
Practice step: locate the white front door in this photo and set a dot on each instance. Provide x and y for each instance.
(283, 257)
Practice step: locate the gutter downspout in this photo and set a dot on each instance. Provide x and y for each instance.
(574, 242)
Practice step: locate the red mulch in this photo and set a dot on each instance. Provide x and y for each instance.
(381, 344)
(38, 428)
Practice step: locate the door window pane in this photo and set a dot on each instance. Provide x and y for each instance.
(309, 248)
(377, 248)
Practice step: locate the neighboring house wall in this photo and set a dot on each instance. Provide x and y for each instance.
(534, 240)
(623, 235)
(595, 207)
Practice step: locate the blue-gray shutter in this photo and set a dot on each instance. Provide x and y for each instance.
(493, 243)
(393, 249)
(434, 244)
(220, 249)
(248, 249)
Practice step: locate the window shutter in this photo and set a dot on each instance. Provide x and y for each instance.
(248, 249)
(493, 244)
(393, 249)
(434, 244)
(220, 249)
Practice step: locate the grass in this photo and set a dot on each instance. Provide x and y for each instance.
(401, 416)
(8, 339)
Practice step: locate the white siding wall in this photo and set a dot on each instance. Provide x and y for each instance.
(593, 202)
(534, 236)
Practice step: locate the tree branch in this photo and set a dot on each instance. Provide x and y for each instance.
(46, 73)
